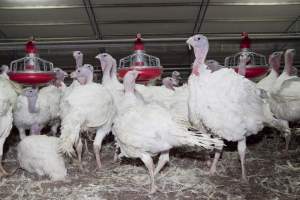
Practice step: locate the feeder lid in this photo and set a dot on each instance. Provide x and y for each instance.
(30, 46)
(245, 42)
(138, 44)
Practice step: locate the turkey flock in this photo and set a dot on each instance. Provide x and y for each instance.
(215, 104)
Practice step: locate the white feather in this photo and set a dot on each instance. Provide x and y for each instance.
(236, 98)
(8, 96)
(48, 103)
(39, 154)
(87, 106)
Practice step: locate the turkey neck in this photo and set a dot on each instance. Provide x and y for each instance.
(129, 86)
(89, 78)
(106, 74)
(32, 104)
(79, 61)
(242, 68)
(199, 63)
(113, 73)
(275, 65)
(288, 60)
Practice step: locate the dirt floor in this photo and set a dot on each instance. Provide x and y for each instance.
(272, 175)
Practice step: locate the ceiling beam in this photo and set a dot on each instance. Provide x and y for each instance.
(149, 35)
(92, 18)
(203, 16)
(198, 18)
(290, 26)
(151, 21)
(121, 42)
(2, 34)
(161, 4)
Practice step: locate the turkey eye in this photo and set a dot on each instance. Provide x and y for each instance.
(198, 38)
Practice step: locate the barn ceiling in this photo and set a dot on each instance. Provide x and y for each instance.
(93, 26)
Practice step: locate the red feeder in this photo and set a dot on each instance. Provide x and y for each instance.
(31, 70)
(148, 66)
(257, 66)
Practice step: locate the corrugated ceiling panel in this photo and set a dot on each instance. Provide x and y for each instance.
(252, 12)
(127, 29)
(150, 13)
(254, 1)
(237, 27)
(13, 3)
(48, 31)
(138, 1)
(44, 15)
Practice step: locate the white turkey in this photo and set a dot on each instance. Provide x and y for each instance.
(112, 84)
(89, 106)
(39, 107)
(284, 99)
(225, 103)
(288, 71)
(39, 154)
(274, 62)
(145, 130)
(78, 57)
(8, 96)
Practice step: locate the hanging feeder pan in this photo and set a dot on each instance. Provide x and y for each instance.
(31, 70)
(146, 73)
(253, 72)
(31, 77)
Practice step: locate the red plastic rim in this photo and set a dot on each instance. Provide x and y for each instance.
(31, 78)
(254, 72)
(146, 73)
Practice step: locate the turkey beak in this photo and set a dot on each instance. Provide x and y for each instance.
(280, 53)
(293, 51)
(73, 75)
(74, 55)
(66, 74)
(190, 42)
(290, 52)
